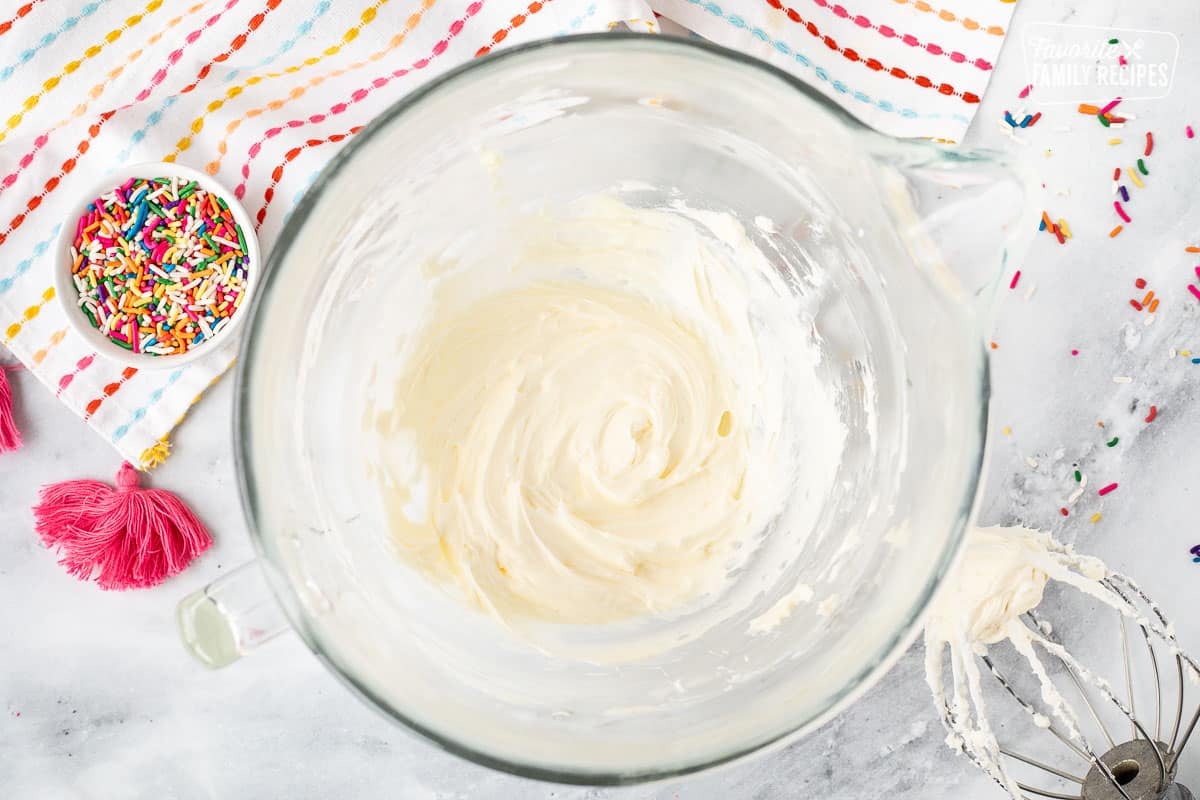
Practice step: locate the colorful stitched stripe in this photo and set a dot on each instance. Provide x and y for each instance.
(947, 16)
(94, 404)
(80, 366)
(156, 116)
(850, 54)
(358, 95)
(98, 89)
(576, 22)
(303, 29)
(40, 355)
(289, 157)
(837, 85)
(140, 412)
(365, 18)
(31, 312)
(888, 32)
(6, 26)
(49, 38)
(24, 264)
(223, 147)
(516, 22)
(53, 81)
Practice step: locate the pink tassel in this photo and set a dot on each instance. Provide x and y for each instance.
(126, 537)
(10, 437)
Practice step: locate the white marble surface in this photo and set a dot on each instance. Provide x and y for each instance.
(98, 700)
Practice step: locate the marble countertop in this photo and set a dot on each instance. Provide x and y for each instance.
(98, 700)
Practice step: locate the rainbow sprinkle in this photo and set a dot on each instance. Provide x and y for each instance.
(160, 265)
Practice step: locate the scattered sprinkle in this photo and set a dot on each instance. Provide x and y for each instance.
(1121, 212)
(1113, 233)
(1191, 249)
(1059, 230)
(1114, 41)
(1006, 430)
(1096, 517)
(1122, 379)
(1107, 489)
(1140, 283)
(1124, 194)
(1137, 181)
(1141, 165)
(1016, 277)
(1114, 141)
(1195, 292)
(1153, 413)
(1075, 495)
(1025, 92)
(995, 346)
(1116, 173)
(1136, 304)
(1113, 442)
(1031, 461)
(1074, 352)
(1078, 476)
(1188, 130)
(1149, 144)
(1064, 512)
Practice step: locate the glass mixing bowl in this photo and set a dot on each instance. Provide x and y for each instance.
(856, 219)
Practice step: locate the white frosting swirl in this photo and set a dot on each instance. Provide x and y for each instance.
(592, 434)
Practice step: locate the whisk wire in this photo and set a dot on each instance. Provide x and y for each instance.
(1183, 742)
(1035, 763)
(1133, 733)
(1087, 701)
(1178, 706)
(1085, 752)
(1157, 685)
(1071, 664)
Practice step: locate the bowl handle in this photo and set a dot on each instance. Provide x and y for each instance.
(230, 617)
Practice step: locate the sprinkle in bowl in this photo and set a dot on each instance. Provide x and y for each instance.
(155, 263)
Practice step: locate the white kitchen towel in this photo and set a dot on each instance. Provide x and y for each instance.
(262, 93)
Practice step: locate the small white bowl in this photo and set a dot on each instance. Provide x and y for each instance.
(68, 295)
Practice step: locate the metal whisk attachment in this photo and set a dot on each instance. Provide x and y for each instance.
(1040, 674)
